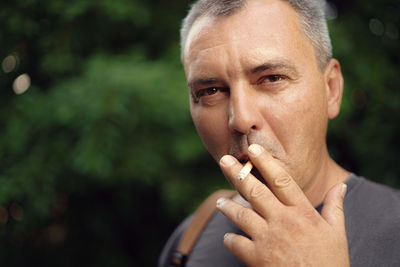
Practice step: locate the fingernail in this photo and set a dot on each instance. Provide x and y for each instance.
(226, 236)
(221, 201)
(344, 190)
(255, 150)
(227, 161)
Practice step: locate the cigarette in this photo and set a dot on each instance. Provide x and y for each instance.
(245, 171)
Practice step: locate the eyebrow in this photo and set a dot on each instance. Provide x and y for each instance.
(274, 65)
(278, 65)
(202, 82)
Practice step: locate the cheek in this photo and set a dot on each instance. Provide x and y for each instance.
(212, 127)
(299, 119)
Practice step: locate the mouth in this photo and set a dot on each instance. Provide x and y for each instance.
(243, 159)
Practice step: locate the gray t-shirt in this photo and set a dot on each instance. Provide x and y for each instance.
(372, 214)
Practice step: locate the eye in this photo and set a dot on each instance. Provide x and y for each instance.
(271, 78)
(207, 92)
(210, 91)
(275, 78)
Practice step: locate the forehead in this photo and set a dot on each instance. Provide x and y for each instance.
(262, 29)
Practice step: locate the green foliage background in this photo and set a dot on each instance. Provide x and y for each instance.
(99, 158)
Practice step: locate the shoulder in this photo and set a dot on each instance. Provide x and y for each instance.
(173, 242)
(209, 249)
(368, 198)
(372, 214)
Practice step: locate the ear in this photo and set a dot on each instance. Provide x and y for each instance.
(334, 86)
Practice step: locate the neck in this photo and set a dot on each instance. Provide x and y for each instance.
(328, 175)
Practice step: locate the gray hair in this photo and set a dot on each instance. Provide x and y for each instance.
(311, 12)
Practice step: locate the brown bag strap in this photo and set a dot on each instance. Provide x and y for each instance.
(200, 219)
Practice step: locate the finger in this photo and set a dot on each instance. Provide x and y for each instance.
(278, 179)
(241, 247)
(332, 211)
(246, 219)
(254, 191)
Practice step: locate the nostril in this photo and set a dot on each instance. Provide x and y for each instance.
(253, 127)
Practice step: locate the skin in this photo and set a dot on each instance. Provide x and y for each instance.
(254, 79)
(284, 227)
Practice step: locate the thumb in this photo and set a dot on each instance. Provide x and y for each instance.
(332, 211)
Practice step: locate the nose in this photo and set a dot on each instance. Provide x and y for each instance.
(244, 115)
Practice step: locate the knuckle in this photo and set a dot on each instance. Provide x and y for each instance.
(300, 219)
(282, 180)
(257, 190)
(335, 209)
(311, 217)
(243, 214)
(339, 208)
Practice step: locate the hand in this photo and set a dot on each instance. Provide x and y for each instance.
(284, 228)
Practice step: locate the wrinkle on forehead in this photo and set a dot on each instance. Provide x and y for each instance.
(267, 9)
(211, 35)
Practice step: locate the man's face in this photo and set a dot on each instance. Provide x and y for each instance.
(253, 78)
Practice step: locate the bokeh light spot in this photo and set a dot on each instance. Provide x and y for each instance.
(376, 27)
(9, 63)
(56, 234)
(17, 212)
(21, 84)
